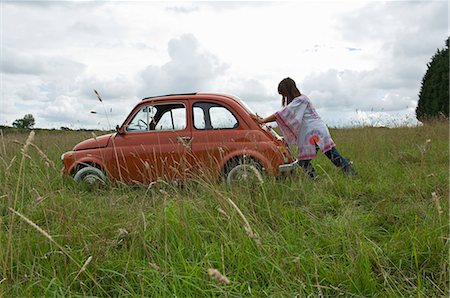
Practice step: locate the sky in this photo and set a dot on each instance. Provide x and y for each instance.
(359, 62)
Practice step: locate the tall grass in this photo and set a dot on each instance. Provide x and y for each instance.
(384, 233)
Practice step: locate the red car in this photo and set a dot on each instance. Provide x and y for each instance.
(179, 137)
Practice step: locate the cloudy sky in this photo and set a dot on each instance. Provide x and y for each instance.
(358, 61)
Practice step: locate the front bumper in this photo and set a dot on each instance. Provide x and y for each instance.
(288, 167)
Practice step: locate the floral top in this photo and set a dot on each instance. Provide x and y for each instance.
(302, 126)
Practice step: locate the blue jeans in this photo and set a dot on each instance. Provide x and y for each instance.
(336, 158)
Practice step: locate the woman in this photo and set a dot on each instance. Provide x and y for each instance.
(302, 126)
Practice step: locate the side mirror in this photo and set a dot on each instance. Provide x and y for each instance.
(120, 130)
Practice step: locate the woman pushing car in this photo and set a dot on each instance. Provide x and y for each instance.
(302, 126)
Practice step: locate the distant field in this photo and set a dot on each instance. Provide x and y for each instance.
(383, 234)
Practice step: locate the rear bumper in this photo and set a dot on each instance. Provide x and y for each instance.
(287, 168)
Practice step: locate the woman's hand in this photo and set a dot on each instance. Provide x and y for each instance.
(257, 118)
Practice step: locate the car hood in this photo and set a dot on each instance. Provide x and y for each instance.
(92, 143)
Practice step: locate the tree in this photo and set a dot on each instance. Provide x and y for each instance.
(26, 122)
(433, 96)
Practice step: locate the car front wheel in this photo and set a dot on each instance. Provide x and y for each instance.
(90, 176)
(248, 171)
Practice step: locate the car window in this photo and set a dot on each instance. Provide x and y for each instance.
(199, 118)
(213, 116)
(174, 119)
(159, 118)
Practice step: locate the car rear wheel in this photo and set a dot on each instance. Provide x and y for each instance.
(246, 170)
(90, 175)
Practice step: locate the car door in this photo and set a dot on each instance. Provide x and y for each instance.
(215, 132)
(156, 143)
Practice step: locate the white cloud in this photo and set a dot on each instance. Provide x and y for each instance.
(190, 69)
(362, 90)
(369, 56)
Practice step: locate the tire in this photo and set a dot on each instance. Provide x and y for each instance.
(244, 171)
(90, 176)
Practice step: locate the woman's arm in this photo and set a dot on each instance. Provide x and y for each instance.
(270, 118)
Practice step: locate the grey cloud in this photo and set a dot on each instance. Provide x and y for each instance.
(43, 4)
(85, 27)
(16, 63)
(67, 111)
(356, 90)
(184, 9)
(60, 25)
(190, 69)
(110, 90)
(252, 91)
(407, 34)
(234, 5)
(20, 63)
(387, 21)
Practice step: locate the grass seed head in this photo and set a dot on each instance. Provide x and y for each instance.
(28, 142)
(435, 198)
(214, 273)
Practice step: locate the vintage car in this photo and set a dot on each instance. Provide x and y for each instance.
(181, 137)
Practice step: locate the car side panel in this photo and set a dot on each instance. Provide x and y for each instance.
(148, 156)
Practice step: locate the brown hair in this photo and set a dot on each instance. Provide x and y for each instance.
(288, 91)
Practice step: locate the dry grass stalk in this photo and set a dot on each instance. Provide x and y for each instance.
(154, 266)
(436, 201)
(82, 269)
(221, 211)
(46, 235)
(317, 285)
(247, 226)
(423, 149)
(85, 264)
(31, 223)
(10, 164)
(38, 196)
(28, 142)
(3, 142)
(144, 221)
(214, 273)
(4, 161)
(44, 157)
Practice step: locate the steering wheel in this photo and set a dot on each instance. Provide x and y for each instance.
(139, 124)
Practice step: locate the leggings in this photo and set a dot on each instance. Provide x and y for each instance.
(336, 158)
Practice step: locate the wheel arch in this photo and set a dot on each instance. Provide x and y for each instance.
(248, 154)
(86, 162)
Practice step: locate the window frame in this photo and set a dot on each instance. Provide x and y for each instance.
(154, 105)
(213, 104)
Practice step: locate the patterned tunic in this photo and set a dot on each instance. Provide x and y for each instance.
(302, 126)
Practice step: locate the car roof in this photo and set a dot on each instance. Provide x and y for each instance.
(198, 95)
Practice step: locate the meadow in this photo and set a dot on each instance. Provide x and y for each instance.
(384, 233)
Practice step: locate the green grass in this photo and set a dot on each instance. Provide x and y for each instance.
(381, 234)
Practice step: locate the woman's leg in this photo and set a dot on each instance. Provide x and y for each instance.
(339, 161)
(308, 168)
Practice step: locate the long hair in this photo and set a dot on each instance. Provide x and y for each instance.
(288, 90)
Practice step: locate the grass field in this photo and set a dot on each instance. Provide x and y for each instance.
(384, 233)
